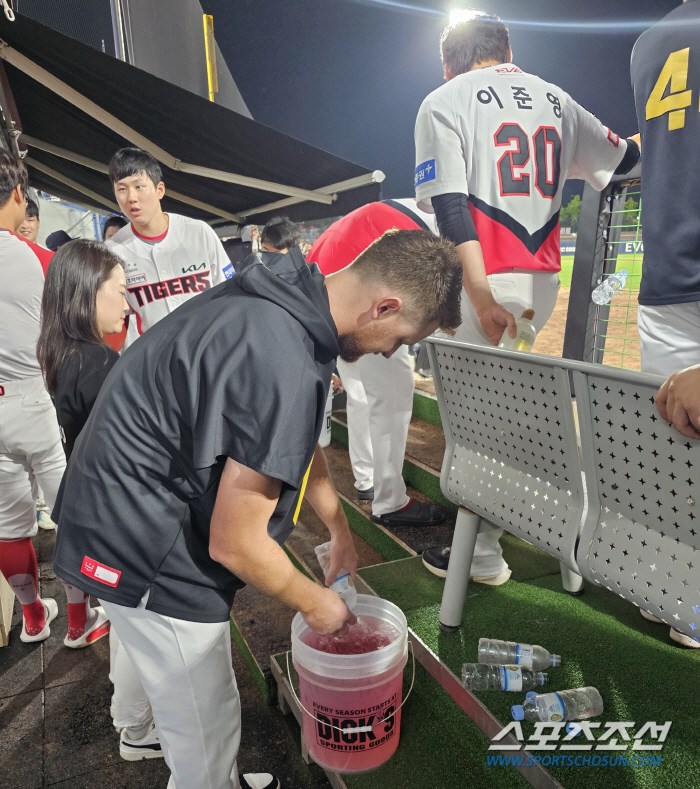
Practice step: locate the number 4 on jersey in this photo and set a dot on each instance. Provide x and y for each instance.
(675, 71)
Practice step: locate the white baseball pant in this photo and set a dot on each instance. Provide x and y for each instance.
(31, 454)
(186, 672)
(669, 336)
(517, 290)
(379, 407)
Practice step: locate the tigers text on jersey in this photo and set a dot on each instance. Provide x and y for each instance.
(162, 275)
(509, 140)
(666, 81)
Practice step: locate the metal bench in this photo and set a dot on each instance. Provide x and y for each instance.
(628, 522)
(511, 457)
(641, 534)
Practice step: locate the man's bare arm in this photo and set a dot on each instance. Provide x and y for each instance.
(323, 497)
(678, 401)
(494, 318)
(239, 540)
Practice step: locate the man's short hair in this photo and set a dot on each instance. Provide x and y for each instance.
(132, 161)
(475, 38)
(280, 233)
(113, 221)
(13, 173)
(32, 209)
(423, 269)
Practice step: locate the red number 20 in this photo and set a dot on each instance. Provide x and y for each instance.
(511, 176)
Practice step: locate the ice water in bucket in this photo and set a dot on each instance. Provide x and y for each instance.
(350, 702)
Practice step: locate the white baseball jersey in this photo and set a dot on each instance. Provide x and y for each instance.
(22, 264)
(162, 275)
(509, 140)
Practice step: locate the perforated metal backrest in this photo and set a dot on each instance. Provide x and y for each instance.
(511, 450)
(642, 529)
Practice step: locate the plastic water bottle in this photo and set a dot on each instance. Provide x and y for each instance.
(476, 676)
(565, 705)
(509, 653)
(525, 334)
(343, 584)
(609, 287)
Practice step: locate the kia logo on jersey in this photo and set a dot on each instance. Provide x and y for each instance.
(194, 267)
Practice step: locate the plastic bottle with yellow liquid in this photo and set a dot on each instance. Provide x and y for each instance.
(525, 336)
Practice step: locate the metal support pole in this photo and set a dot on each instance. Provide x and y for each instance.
(118, 29)
(571, 581)
(455, 592)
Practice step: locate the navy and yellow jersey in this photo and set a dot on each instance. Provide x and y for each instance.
(666, 82)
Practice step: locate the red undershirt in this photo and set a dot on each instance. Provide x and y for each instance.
(149, 238)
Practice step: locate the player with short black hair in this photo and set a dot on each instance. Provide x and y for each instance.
(279, 235)
(494, 146)
(127, 162)
(168, 258)
(112, 226)
(29, 229)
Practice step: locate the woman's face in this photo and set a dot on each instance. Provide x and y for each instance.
(111, 306)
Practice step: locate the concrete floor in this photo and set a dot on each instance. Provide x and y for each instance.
(55, 727)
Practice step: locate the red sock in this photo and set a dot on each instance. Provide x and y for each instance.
(18, 565)
(78, 608)
(410, 501)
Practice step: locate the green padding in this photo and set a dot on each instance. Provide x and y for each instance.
(376, 538)
(604, 642)
(255, 670)
(339, 432)
(426, 408)
(428, 483)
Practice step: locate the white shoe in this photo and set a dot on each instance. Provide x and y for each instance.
(493, 580)
(651, 617)
(148, 747)
(99, 629)
(43, 521)
(50, 613)
(260, 781)
(683, 640)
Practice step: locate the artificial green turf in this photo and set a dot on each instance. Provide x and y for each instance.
(385, 546)
(604, 642)
(426, 408)
(427, 482)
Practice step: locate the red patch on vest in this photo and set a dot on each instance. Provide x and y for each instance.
(100, 572)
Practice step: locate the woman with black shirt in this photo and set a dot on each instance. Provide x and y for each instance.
(84, 300)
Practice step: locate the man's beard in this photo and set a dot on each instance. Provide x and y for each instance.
(352, 347)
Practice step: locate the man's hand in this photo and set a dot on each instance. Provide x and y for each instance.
(343, 555)
(494, 320)
(328, 613)
(678, 401)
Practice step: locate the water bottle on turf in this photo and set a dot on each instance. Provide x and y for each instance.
(609, 287)
(343, 584)
(477, 676)
(565, 705)
(508, 653)
(525, 336)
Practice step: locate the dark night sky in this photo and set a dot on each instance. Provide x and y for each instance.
(349, 75)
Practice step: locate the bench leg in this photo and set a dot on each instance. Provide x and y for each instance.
(455, 592)
(571, 581)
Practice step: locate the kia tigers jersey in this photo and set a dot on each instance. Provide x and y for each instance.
(162, 275)
(509, 140)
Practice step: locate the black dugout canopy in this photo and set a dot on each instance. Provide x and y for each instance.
(76, 106)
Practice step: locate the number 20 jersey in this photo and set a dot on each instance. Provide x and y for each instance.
(509, 140)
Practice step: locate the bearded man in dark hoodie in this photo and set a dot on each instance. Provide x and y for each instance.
(189, 473)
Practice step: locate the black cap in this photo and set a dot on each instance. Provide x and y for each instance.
(57, 239)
